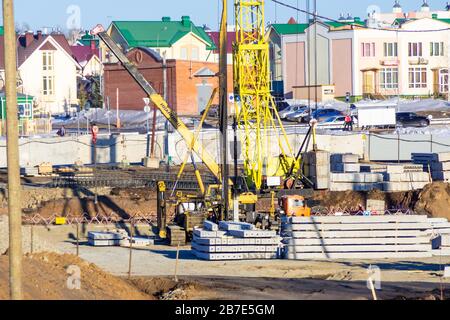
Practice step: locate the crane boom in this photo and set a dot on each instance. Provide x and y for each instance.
(162, 106)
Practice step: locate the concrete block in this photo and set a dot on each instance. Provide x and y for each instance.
(321, 183)
(210, 226)
(407, 177)
(227, 226)
(345, 167)
(344, 158)
(318, 158)
(348, 177)
(375, 205)
(373, 177)
(395, 169)
(105, 236)
(445, 240)
(441, 175)
(403, 186)
(152, 163)
(432, 157)
(440, 166)
(317, 171)
(209, 234)
(104, 243)
(252, 233)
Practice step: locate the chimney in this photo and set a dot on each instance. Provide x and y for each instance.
(93, 45)
(39, 34)
(29, 38)
(186, 21)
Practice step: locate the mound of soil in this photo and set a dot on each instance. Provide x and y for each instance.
(434, 200)
(45, 277)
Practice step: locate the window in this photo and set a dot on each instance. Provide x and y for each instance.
(389, 78)
(183, 54)
(194, 54)
(443, 81)
(47, 60)
(417, 77)
(415, 49)
(368, 49)
(24, 110)
(390, 49)
(48, 85)
(436, 49)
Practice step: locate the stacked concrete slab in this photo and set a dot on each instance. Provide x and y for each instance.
(346, 174)
(234, 241)
(317, 168)
(117, 238)
(441, 236)
(438, 163)
(356, 237)
(399, 177)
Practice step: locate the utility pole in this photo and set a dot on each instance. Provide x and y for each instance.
(166, 124)
(14, 202)
(223, 94)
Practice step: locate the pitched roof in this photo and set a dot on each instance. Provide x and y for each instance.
(159, 33)
(289, 28)
(87, 38)
(84, 53)
(24, 51)
(215, 37)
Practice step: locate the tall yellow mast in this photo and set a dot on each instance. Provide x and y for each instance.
(256, 113)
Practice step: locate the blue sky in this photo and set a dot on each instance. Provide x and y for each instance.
(51, 13)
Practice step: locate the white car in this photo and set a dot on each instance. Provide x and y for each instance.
(290, 110)
(336, 122)
(299, 116)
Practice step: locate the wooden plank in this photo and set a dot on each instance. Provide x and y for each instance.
(360, 248)
(359, 219)
(346, 241)
(358, 234)
(359, 255)
(361, 226)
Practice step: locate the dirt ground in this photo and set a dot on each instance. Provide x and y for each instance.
(434, 201)
(45, 278)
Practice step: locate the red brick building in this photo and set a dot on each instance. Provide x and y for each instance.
(189, 83)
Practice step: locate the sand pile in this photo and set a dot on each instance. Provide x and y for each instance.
(45, 277)
(434, 200)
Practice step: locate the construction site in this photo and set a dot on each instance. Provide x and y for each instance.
(242, 205)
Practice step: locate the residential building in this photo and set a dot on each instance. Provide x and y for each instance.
(293, 54)
(180, 40)
(88, 57)
(189, 83)
(409, 58)
(46, 71)
(215, 37)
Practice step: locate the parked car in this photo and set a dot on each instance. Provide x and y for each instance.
(299, 116)
(411, 119)
(213, 112)
(281, 105)
(323, 114)
(337, 122)
(290, 110)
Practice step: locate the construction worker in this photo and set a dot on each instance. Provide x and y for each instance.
(61, 132)
(94, 133)
(347, 122)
